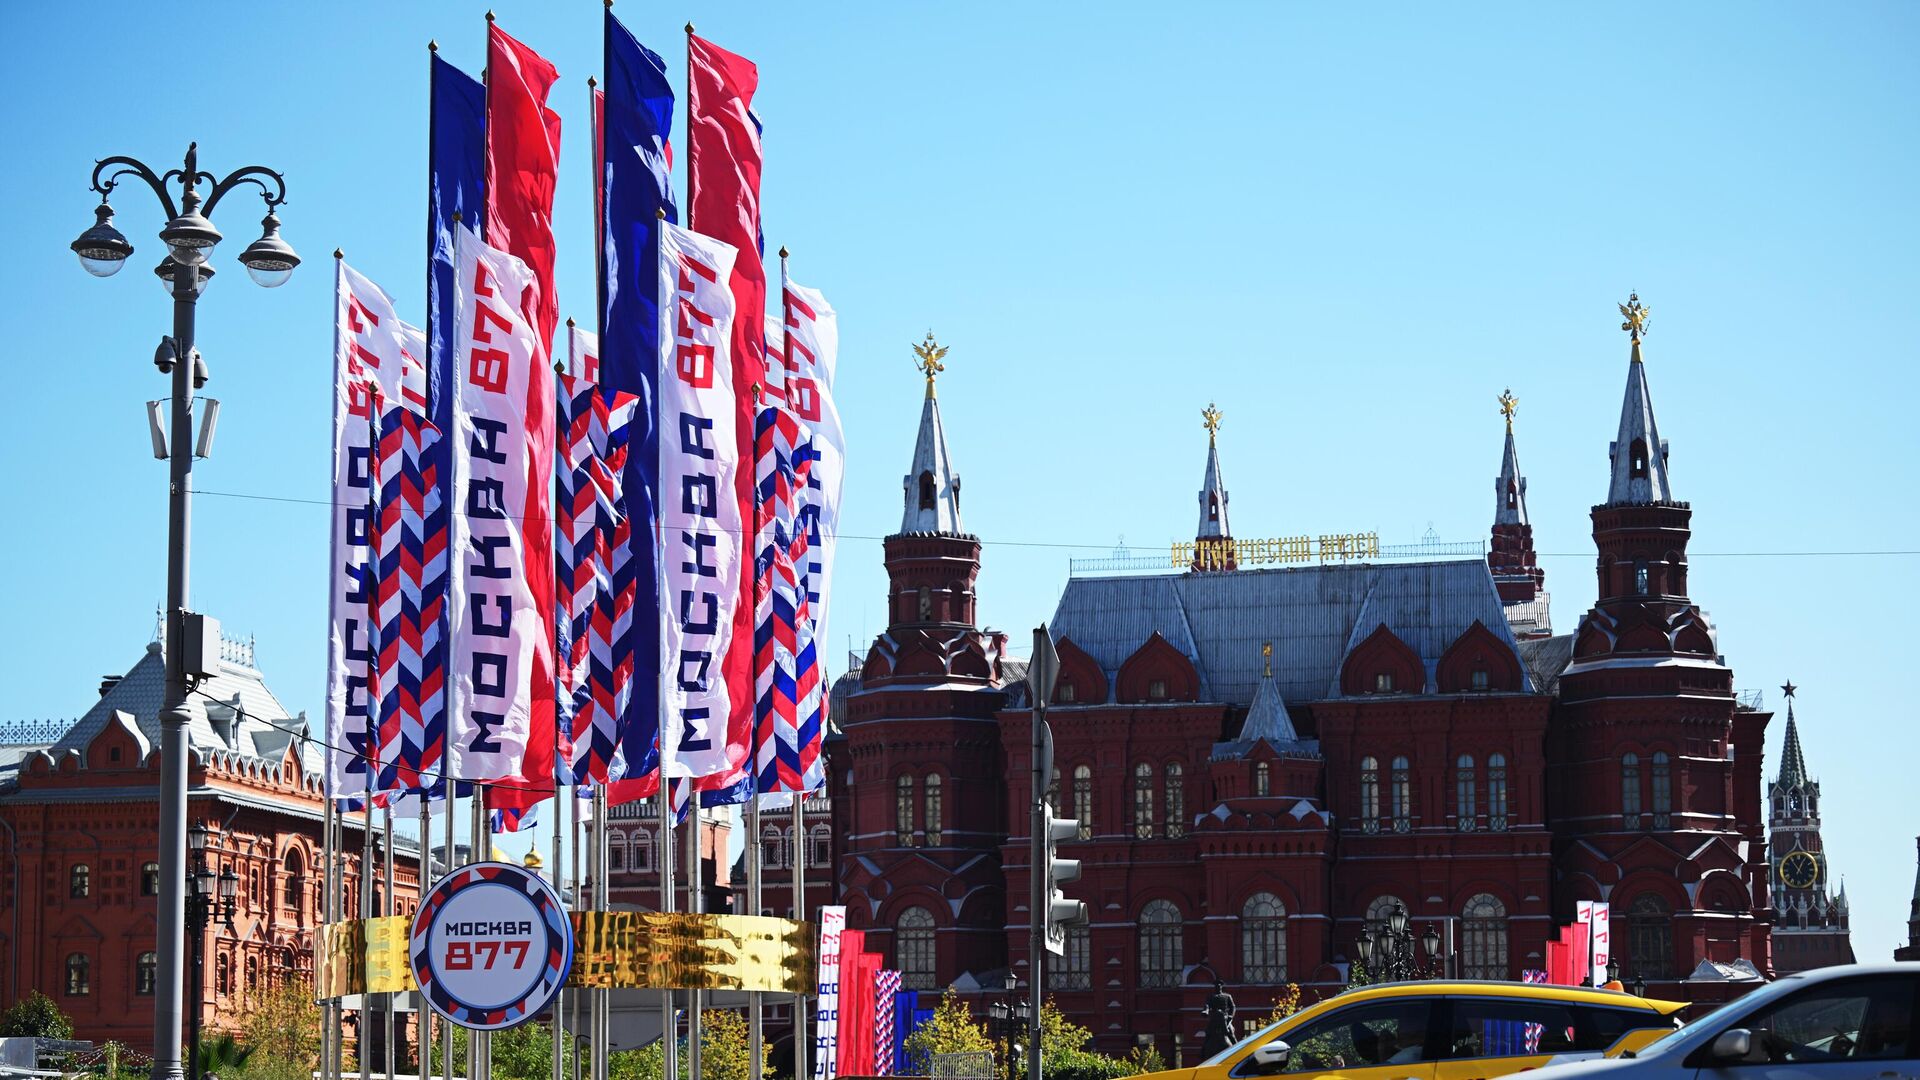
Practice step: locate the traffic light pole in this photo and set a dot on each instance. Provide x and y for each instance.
(1038, 887)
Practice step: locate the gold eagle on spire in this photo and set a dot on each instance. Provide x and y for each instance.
(1635, 314)
(1210, 419)
(1508, 406)
(929, 353)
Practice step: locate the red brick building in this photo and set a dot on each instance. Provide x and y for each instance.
(1266, 760)
(81, 877)
(1810, 918)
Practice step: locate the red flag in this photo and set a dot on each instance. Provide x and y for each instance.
(523, 154)
(723, 201)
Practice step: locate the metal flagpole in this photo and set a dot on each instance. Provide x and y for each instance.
(329, 1023)
(446, 860)
(422, 1015)
(695, 904)
(561, 809)
(579, 904)
(476, 852)
(669, 1051)
(363, 1034)
(756, 1035)
(386, 908)
(800, 1041)
(602, 998)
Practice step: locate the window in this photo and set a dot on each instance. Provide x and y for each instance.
(933, 809)
(253, 974)
(1053, 794)
(1483, 938)
(1083, 799)
(79, 881)
(1161, 958)
(1497, 792)
(903, 811)
(1382, 907)
(1640, 577)
(1650, 936)
(1143, 801)
(146, 973)
(1479, 678)
(926, 491)
(1074, 969)
(773, 845)
(913, 951)
(1513, 1027)
(1388, 1033)
(926, 603)
(1066, 693)
(616, 858)
(1383, 682)
(150, 880)
(1638, 454)
(1157, 689)
(1463, 791)
(1263, 940)
(821, 841)
(1402, 796)
(253, 887)
(1370, 794)
(1262, 781)
(1630, 790)
(643, 849)
(1660, 789)
(1176, 801)
(1862, 1019)
(79, 975)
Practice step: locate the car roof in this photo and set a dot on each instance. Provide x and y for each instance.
(1492, 988)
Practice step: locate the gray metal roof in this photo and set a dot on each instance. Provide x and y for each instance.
(930, 458)
(1636, 422)
(1213, 492)
(1544, 659)
(1510, 479)
(1313, 615)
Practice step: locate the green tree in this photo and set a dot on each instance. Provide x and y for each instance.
(222, 1054)
(284, 1025)
(951, 1030)
(35, 1015)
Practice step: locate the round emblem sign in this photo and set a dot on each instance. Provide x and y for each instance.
(491, 945)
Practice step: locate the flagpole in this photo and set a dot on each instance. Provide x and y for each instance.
(386, 908)
(579, 904)
(603, 1025)
(797, 864)
(476, 844)
(695, 902)
(669, 1050)
(422, 1015)
(755, 1034)
(363, 1034)
(320, 966)
(446, 859)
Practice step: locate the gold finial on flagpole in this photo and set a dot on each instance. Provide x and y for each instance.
(1210, 419)
(660, 213)
(489, 15)
(433, 46)
(783, 251)
(592, 82)
(1508, 405)
(930, 353)
(689, 28)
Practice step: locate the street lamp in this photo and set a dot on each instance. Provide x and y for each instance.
(190, 238)
(1392, 950)
(201, 886)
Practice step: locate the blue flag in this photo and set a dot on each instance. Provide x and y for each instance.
(636, 123)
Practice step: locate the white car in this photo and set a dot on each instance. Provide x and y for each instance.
(1840, 1023)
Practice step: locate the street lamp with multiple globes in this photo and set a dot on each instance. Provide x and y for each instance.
(201, 909)
(190, 239)
(1007, 1015)
(1392, 950)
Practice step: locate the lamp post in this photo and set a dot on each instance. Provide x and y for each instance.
(190, 238)
(1393, 951)
(199, 912)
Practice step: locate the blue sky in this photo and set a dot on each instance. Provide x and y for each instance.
(1350, 228)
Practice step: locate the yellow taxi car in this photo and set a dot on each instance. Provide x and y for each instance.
(1444, 1030)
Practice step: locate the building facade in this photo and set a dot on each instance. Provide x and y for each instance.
(81, 884)
(1265, 761)
(1810, 917)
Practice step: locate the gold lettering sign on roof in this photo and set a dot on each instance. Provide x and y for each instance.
(1220, 553)
(930, 353)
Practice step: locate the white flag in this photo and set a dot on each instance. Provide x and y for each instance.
(499, 624)
(702, 521)
(813, 349)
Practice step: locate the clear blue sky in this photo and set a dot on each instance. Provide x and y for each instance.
(1350, 229)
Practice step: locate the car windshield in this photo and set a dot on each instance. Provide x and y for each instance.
(1221, 1057)
(1714, 1018)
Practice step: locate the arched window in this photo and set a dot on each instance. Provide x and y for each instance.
(150, 880)
(1083, 800)
(1370, 794)
(926, 491)
(294, 866)
(1513, 496)
(79, 881)
(1262, 781)
(1630, 790)
(1263, 940)
(643, 850)
(1176, 800)
(79, 975)
(1074, 969)
(1497, 792)
(616, 857)
(933, 809)
(1650, 936)
(223, 975)
(772, 847)
(1143, 801)
(1464, 791)
(913, 951)
(1638, 454)
(821, 842)
(1483, 938)
(253, 974)
(1053, 793)
(146, 973)
(1402, 796)
(1660, 789)
(1161, 955)
(903, 811)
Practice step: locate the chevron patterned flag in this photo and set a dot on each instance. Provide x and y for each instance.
(399, 527)
(810, 350)
(573, 541)
(776, 753)
(886, 988)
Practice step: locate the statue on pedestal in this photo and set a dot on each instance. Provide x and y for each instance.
(1219, 1021)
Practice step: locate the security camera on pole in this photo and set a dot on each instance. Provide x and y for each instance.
(1048, 911)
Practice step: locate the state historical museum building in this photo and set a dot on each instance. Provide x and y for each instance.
(1265, 760)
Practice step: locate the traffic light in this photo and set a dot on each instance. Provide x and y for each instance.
(1060, 910)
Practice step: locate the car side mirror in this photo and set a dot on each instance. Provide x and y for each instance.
(1272, 1057)
(1736, 1045)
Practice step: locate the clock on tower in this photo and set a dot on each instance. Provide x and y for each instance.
(1799, 870)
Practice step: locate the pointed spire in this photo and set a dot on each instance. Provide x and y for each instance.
(1213, 489)
(1267, 717)
(1915, 910)
(1639, 454)
(1793, 762)
(1510, 490)
(932, 487)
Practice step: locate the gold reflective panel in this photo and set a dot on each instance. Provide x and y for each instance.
(389, 969)
(365, 956)
(678, 951)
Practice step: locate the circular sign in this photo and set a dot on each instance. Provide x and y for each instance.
(491, 945)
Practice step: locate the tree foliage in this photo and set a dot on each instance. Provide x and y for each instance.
(951, 1030)
(35, 1015)
(284, 1024)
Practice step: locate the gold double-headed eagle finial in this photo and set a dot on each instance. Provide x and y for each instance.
(1210, 419)
(1508, 406)
(1266, 655)
(1635, 314)
(929, 353)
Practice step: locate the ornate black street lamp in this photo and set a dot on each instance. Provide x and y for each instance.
(190, 238)
(1005, 1016)
(1392, 950)
(201, 907)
